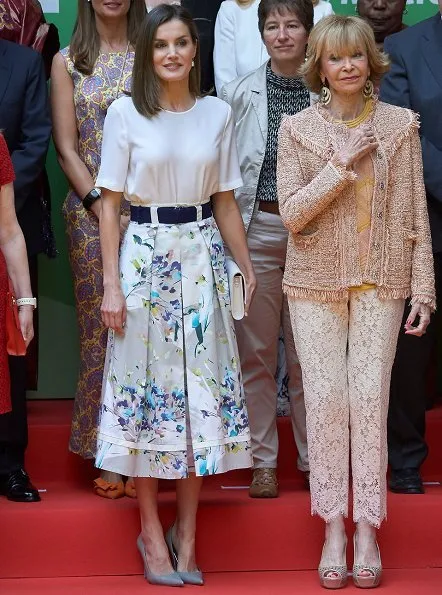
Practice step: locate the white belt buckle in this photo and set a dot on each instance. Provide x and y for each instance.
(199, 212)
(154, 214)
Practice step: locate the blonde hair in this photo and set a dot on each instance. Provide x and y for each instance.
(342, 35)
(315, 2)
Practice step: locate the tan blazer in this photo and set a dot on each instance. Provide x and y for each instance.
(318, 206)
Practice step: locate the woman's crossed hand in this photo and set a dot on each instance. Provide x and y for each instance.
(361, 141)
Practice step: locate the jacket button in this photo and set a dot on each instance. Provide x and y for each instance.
(380, 214)
(379, 155)
(376, 246)
(382, 185)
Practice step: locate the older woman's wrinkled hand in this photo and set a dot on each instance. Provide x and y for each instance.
(361, 141)
(423, 312)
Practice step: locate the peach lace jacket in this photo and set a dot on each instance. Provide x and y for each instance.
(317, 203)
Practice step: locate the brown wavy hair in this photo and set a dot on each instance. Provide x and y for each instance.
(85, 42)
(146, 86)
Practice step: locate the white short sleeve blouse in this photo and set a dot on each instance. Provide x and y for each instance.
(173, 158)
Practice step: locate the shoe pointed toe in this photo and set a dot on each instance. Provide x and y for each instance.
(172, 579)
(195, 577)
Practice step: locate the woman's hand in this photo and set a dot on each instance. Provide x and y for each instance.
(26, 318)
(113, 309)
(361, 141)
(250, 289)
(124, 223)
(424, 312)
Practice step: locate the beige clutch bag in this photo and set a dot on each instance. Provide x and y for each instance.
(237, 288)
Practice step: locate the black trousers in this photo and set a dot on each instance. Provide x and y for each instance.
(406, 416)
(14, 425)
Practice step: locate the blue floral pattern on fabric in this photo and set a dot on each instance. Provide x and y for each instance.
(173, 397)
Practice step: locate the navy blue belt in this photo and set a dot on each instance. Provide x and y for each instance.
(170, 215)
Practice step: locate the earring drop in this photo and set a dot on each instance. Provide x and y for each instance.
(325, 95)
(193, 63)
(368, 91)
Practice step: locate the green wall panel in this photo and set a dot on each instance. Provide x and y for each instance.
(58, 341)
(58, 361)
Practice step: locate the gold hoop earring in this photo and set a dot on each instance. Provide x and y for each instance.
(368, 91)
(325, 95)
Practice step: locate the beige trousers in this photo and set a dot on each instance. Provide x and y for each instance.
(346, 351)
(258, 336)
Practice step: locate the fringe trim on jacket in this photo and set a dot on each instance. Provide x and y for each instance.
(342, 295)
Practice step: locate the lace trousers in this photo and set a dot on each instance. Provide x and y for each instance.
(346, 351)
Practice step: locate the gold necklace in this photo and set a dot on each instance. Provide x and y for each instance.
(114, 91)
(364, 115)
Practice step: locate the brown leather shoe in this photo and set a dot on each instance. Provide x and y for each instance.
(264, 483)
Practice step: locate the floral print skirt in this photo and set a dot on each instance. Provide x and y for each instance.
(172, 399)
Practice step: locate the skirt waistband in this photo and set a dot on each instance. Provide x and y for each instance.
(170, 215)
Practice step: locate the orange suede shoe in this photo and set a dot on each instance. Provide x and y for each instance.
(129, 488)
(105, 489)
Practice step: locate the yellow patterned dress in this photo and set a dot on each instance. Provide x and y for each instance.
(93, 95)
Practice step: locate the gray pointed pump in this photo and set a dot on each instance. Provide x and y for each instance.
(194, 577)
(172, 579)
